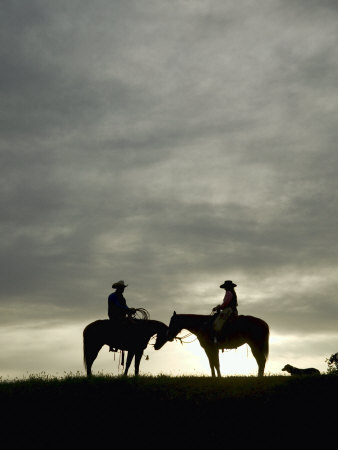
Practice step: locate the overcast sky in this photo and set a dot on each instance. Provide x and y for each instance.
(174, 145)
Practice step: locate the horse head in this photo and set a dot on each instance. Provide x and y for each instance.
(174, 327)
(161, 337)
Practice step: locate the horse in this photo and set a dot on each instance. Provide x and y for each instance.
(238, 331)
(131, 336)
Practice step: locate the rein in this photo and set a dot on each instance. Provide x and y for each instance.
(188, 335)
(142, 312)
(121, 360)
(184, 337)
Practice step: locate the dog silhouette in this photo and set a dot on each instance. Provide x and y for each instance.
(295, 371)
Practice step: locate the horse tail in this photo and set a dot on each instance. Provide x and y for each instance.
(261, 332)
(266, 341)
(91, 345)
(85, 349)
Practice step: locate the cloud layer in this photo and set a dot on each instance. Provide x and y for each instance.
(173, 145)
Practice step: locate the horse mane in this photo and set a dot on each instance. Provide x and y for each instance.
(155, 322)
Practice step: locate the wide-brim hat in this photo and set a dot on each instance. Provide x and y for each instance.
(119, 284)
(228, 283)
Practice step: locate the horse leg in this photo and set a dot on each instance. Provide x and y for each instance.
(216, 363)
(212, 369)
(260, 359)
(218, 369)
(213, 358)
(90, 352)
(129, 360)
(138, 356)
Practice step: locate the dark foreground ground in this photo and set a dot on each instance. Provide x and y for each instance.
(174, 412)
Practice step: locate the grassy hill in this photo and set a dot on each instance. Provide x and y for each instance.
(76, 411)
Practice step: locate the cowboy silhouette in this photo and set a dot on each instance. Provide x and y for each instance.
(225, 310)
(118, 310)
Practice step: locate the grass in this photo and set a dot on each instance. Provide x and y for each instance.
(73, 410)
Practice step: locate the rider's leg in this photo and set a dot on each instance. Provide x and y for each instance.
(114, 323)
(222, 319)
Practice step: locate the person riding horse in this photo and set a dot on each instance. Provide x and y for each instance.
(118, 310)
(117, 305)
(225, 310)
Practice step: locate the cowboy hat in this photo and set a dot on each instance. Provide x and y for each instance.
(228, 283)
(119, 284)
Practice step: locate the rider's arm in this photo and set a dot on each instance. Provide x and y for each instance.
(226, 301)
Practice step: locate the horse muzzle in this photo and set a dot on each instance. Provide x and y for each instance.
(169, 337)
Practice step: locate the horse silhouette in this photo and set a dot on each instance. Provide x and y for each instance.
(131, 336)
(238, 331)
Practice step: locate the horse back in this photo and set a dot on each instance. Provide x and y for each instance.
(124, 334)
(250, 322)
(247, 328)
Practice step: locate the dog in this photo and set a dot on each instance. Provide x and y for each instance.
(294, 371)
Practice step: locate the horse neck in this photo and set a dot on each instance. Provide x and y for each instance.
(191, 322)
(155, 326)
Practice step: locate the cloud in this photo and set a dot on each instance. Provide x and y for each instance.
(173, 146)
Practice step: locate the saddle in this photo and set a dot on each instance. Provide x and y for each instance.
(119, 333)
(227, 327)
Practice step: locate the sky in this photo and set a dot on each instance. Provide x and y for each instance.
(174, 145)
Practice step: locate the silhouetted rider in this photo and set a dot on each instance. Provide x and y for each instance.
(117, 305)
(118, 310)
(227, 309)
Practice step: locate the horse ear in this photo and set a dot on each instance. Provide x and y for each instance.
(174, 313)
